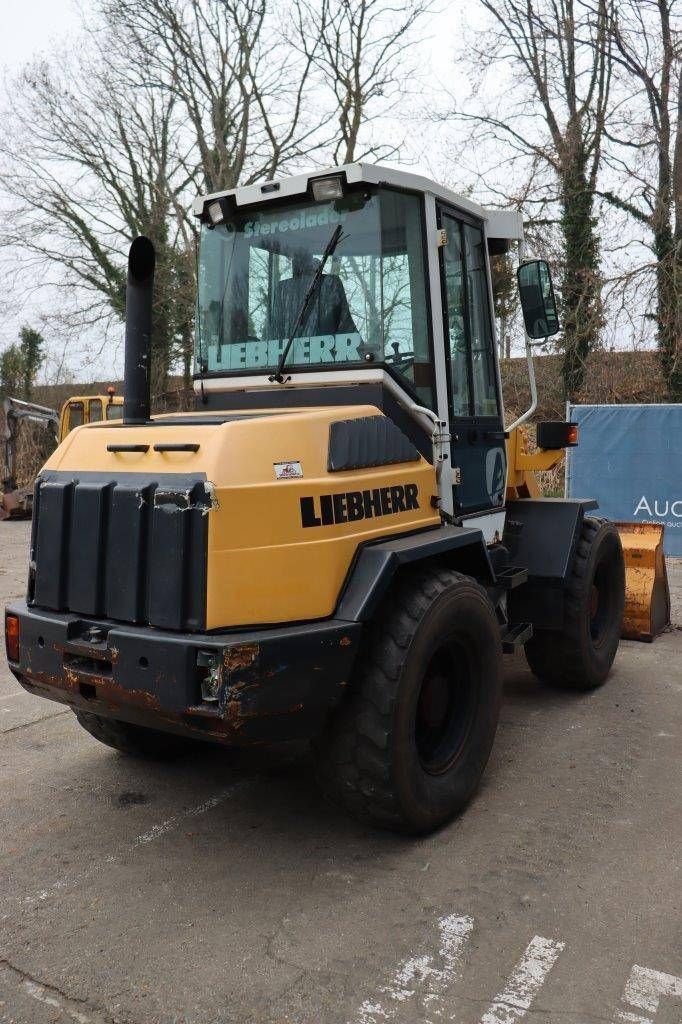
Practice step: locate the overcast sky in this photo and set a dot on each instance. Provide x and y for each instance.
(30, 26)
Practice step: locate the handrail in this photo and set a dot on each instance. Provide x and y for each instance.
(529, 359)
(181, 446)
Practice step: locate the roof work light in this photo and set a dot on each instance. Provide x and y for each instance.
(215, 212)
(326, 189)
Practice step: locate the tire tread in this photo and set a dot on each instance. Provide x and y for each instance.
(353, 755)
(555, 656)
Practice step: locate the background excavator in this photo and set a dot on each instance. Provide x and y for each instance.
(17, 502)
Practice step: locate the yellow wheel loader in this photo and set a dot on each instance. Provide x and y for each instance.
(335, 545)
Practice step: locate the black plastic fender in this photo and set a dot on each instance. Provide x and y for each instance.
(370, 576)
(541, 535)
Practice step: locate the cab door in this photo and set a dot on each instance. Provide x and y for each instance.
(478, 441)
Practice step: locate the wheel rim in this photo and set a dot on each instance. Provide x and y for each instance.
(445, 707)
(600, 605)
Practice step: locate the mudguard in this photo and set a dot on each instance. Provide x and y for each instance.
(541, 535)
(456, 547)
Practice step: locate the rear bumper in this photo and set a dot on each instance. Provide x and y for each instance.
(276, 684)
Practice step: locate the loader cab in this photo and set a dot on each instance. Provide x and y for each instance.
(82, 409)
(402, 310)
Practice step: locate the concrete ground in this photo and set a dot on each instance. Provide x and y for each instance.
(224, 889)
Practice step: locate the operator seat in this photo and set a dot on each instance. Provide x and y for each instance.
(328, 312)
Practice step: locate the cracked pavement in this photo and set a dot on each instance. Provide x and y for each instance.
(223, 889)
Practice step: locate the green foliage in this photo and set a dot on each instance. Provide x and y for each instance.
(581, 302)
(19, 364)
(11, 371)
(669, 308)
(32, 352)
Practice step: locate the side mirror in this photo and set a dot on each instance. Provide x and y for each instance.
(537, 299)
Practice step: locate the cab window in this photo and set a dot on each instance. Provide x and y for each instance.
(456, 340)
(76, 415)
(114, 412)
(369, 306)
(480, 327)
(469, 337)
(95, 410)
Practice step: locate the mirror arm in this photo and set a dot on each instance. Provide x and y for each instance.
(533, 389)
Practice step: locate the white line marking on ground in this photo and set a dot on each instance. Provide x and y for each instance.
(644, 991)
(32, 721)
(43, 995)
(15, 696)
(155, 832)
(422, 976)
(526, 980)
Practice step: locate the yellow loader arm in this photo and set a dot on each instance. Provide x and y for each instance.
(647, 594)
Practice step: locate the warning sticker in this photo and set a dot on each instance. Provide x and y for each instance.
(287, 470)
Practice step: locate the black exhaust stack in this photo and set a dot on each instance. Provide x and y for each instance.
(138, 346)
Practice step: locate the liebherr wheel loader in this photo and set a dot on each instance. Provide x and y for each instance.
(338, 544)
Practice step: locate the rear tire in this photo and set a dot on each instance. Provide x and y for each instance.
(408, 747)
(134, 740)
(581, 655)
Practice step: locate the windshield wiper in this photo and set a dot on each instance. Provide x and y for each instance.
(312, 287)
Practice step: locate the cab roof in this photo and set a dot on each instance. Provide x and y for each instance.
(506, 225)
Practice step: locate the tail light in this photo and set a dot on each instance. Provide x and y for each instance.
(12, 637)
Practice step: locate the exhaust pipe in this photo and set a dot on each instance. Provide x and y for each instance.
(138, 343)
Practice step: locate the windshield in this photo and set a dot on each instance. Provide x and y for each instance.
(368, 307)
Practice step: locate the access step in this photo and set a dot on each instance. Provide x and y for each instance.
(511, 577)
(516, 636)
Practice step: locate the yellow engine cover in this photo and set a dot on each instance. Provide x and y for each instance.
(272, 557)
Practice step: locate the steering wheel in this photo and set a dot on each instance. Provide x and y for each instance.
(401, 360)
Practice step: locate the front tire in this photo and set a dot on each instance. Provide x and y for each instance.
(134, 740)
(407, 749)
(581, 655)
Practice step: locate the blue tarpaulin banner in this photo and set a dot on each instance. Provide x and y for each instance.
(629, 457)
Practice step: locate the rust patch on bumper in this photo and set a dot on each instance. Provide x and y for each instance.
(240, 657)
(235, 660)
(108, 692)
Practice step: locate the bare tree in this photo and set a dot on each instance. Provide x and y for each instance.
(88, 164)
(240, 85)
(553, 115)
(646, 154)
(170, 97)
(361, 48)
